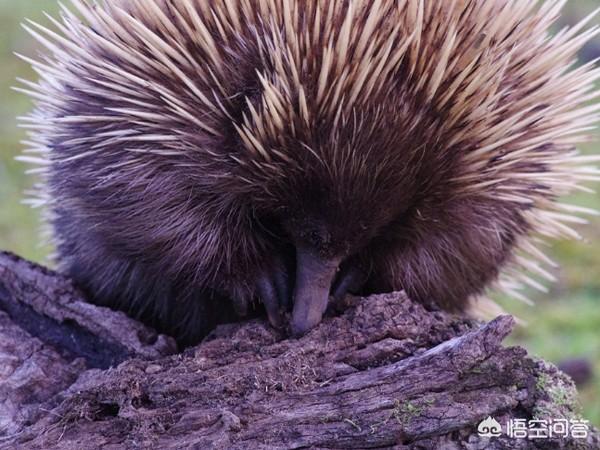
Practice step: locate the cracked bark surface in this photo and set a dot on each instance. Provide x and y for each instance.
(385, 373)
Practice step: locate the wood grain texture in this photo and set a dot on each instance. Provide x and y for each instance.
(384, 373)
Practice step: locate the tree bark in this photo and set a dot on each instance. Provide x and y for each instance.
(384, 373)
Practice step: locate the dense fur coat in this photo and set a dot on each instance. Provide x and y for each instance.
(200, 156)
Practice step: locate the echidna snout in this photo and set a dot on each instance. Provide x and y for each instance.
(314, 279)
(316, 274)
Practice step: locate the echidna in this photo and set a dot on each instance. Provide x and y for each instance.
(201, 155)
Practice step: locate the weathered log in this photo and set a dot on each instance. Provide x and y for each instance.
(49, 335)
(385, 373)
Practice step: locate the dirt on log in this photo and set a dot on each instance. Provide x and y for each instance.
(384, 373)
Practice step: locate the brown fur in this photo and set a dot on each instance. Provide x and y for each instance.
(193, 147)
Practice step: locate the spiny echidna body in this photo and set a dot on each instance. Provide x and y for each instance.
(201, 155)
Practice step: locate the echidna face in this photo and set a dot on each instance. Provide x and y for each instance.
(332, 228)
(330, 222)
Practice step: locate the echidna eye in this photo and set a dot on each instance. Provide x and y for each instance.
(314, 236)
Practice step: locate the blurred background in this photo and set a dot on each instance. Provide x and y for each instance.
(563, 327)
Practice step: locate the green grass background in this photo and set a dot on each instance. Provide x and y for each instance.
(564, 323)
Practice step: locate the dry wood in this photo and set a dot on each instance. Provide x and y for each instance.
(385, 373)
